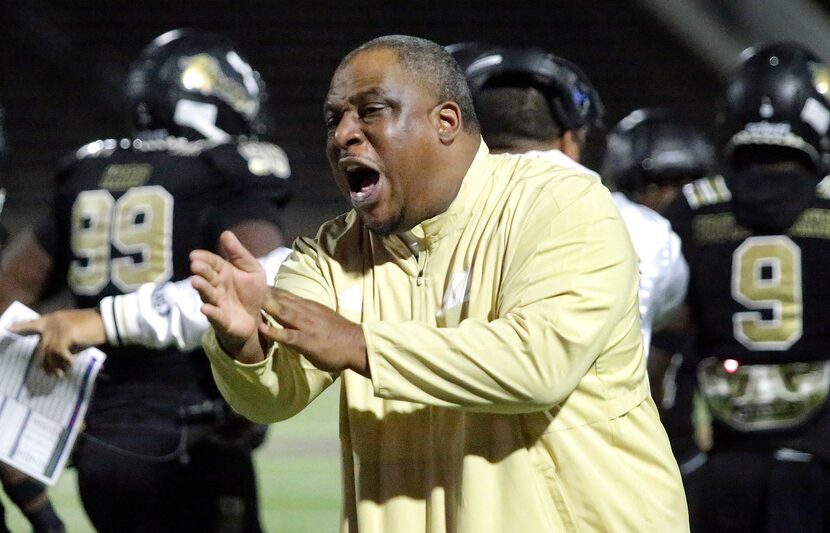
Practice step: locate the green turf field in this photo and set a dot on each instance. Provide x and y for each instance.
(298, 469)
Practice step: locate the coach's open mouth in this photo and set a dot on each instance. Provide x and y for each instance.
(363, 183)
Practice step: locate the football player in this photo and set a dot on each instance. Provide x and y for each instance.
(650, 156)
(28, 494)
(757, 240)
(529, 101)
(127, 212)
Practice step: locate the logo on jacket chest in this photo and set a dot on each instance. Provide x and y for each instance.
(457, 292)
(455, 296)
(351, 299)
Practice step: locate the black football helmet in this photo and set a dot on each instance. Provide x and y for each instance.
(651, 146)
(572, 97)
(195, 84)
(466, 52)
(778, 97)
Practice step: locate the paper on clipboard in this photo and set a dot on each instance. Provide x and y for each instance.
(40, 415)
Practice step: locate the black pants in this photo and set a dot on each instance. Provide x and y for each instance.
(223, 480)
(764, 491)
(210, 489)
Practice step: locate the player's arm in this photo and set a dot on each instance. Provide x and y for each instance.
(161, 315)
(34, 259)
(674, 282)
(154, 316)
(61, 334)
(26, 268)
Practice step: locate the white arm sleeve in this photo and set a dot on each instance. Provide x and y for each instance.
(161, 315)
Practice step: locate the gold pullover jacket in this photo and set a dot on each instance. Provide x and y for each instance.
(508, 389)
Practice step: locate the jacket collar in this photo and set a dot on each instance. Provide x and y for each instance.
(427, 233)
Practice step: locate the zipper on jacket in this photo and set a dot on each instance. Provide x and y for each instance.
(422, 264)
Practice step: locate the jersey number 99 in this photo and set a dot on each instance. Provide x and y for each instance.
(139, 223)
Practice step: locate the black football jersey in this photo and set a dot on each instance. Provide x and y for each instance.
(129, 211)
(755, 298)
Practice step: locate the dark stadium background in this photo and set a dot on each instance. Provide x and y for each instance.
(62, 64)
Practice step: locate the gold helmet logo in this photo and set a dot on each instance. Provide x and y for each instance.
(203, 73)
(821, 78)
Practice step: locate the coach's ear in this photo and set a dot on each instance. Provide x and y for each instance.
(570, 144)
(447, 121)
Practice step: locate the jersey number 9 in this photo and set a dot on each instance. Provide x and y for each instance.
(766, 276)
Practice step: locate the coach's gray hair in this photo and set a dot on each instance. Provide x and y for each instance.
(433, 66)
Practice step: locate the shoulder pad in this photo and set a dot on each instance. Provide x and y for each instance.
(258, 159)
(177, 146)
(96, 149)
(265, 158)
(706, 191)
(99, 148)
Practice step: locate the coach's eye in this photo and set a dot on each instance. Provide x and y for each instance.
(370, 110)
(332, 121)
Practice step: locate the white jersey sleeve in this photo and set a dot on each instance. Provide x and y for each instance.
(664, 273)
(161, 315)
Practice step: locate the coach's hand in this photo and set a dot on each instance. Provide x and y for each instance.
(329, 341)
(232, 293)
